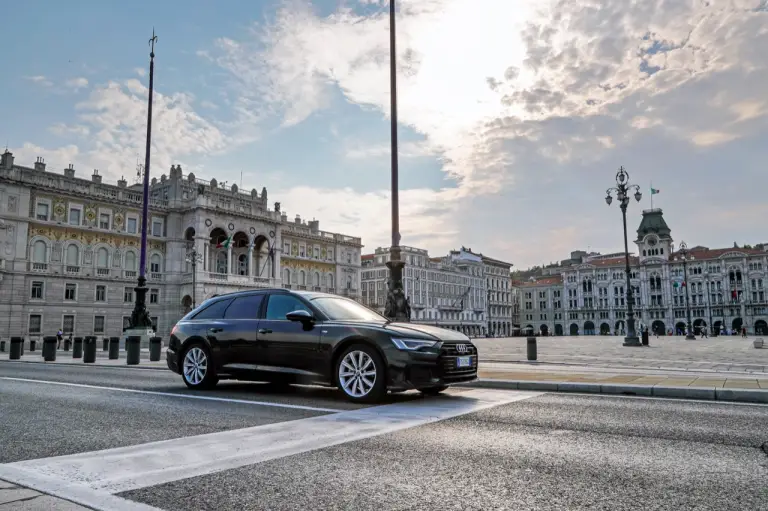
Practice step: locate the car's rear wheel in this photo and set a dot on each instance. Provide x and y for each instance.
(360, 374)
(197, 367)
(433, 391)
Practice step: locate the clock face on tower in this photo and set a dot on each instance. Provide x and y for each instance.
(651, 242)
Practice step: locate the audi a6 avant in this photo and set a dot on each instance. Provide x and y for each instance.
(283, 336)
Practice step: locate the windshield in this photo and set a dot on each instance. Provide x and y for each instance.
(345, 309)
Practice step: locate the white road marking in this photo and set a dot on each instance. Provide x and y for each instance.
(140, 466)
(172, 394)
(98, 500)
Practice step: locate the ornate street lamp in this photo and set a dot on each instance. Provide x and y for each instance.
(140, 316)
(683, 251)
(397, 307)
(622, 191)
(193, 257)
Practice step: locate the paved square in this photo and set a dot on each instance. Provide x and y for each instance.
(723, 353)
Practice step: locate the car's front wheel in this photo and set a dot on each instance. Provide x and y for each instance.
(360, 374)
(197, 368)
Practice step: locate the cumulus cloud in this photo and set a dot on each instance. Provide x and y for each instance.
(40, 80)
(76, 83)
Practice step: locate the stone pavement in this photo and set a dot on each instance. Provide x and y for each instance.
(723, 353)
(19, 498)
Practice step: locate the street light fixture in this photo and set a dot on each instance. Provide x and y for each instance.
(193, 257)
(683, 250)
(622, 191)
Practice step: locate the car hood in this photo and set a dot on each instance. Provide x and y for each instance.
(415, 330)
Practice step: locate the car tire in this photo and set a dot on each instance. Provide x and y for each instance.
(433, 391)
(197, 368)
(354, 369)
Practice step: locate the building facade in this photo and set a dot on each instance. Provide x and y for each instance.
(451, 292)
(587, 296)
(70, 249)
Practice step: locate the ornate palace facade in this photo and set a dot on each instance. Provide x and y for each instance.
(728, 288)
(462, 291)
(69, 249)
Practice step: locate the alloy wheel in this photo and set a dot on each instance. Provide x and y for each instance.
(357, 374)
(195, 366)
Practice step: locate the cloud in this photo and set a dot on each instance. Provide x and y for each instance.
(140, 71)
(40, 80)
(361, 151)
(62, 129)
(76, 83)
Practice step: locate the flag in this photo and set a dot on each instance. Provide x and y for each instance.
(224, 244)
(655, 191)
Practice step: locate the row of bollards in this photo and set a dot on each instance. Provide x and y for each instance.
(85, 348)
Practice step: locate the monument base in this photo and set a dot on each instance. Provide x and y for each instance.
(144, 333)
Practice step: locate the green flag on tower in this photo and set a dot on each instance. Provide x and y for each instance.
(655, 191)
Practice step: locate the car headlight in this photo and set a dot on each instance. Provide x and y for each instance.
(413, 344)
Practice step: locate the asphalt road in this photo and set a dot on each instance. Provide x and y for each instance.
(264, 448)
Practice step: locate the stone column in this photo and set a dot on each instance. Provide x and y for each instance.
(231, 269)
(206, 257)
(251, 264)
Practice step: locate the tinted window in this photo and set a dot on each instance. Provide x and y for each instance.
(280, 305)
(345, 309)
(244, 307)
(214, 310)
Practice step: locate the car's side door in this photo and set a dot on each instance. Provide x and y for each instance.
(289, 344)
(242, 324)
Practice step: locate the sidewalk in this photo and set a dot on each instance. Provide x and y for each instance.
(721, 386)
(19, 498)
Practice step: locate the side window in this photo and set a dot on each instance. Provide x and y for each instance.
(244, 307)
(214, 311)
(280, 305)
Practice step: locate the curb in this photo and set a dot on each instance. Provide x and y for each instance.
(703, 393)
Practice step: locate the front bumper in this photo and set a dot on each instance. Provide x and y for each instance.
(422, 369)
(172, 359)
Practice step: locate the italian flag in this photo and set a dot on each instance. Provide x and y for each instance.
(225, 244)
(655, 191)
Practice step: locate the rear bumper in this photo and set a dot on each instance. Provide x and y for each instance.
(172, 359)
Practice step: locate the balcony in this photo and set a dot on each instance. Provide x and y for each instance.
(129, 274)
(71, 269)
(155, 276)
(40, 267)
(102, 272)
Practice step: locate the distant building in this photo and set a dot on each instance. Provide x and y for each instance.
(452, 291)
(69, 249)
(587, 293)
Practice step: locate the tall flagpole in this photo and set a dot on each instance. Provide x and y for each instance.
(651, 194)
(140, 317)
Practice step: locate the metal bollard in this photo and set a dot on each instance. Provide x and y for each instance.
(531, 348)
(16, 348)
(114, 348)
(2, 346)
(32, 343)
(155, 345)
(77, 348)
(67, 344)
(50, 343)
(132, 350)
(89, 349)
(22, 346)
(105, 344)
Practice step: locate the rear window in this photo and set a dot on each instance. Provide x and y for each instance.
(245, 307)
(214, 310)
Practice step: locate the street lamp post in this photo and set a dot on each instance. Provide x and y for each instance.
(683, 250)
(397, 307)
(140, 317)
(622, 191)
(488, 309)
(194, 257)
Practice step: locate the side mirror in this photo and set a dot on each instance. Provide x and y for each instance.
(301, 316)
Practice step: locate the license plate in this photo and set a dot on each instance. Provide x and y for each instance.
(464, 362)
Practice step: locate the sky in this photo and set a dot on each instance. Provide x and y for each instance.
(514, 115)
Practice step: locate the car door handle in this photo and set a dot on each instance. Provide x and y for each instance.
(215, 330)
(265, 331)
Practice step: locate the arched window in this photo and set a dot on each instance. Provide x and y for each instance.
(316, 280)
(73, 255)
(329, 279)
(349, 282)
(102, 258)
(242, 264)
(302, 278)
(130, 261)
(155, 263)
(286, 276)
(221, 262)
(39, 252)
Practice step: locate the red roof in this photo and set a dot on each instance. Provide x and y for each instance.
(544, 281)
(714, 253)
(366, 257)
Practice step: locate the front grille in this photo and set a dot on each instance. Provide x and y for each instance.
(448, 356)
